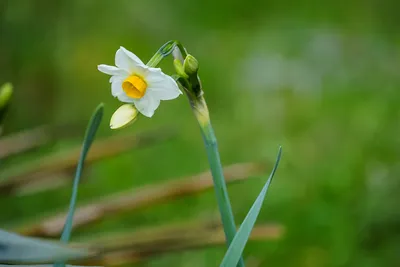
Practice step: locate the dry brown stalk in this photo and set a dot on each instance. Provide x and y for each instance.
(138, 198)
(27, 140)
(142, 245)
(45, 168)
(23, 141)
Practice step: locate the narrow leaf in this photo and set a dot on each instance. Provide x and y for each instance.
(19, 249)
(91, 130)
(236, 248)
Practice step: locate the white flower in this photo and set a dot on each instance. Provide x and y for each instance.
(134, 82)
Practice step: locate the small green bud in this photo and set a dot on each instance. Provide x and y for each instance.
(191, 65)
(6, 92)
(179, 68)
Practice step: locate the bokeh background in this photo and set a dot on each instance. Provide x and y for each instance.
(319, 78)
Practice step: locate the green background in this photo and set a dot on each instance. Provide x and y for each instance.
(320, 78)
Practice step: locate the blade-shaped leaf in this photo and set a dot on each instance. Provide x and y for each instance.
(19, 249)
(91, 130)
(236, 248)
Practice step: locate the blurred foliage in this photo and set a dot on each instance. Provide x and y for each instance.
(320, 78)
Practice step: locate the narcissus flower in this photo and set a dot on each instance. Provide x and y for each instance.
(134, 82)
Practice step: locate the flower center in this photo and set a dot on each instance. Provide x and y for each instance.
(134, 86)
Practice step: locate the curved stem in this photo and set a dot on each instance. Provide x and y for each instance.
(164, 51)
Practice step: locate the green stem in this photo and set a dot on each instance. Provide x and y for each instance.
(164, 51)
(211, 145)
(200, 110)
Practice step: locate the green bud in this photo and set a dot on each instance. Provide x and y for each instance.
(179, 69)
(6, 92)
(191, 65)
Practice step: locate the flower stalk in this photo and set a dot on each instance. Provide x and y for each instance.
(191, 85)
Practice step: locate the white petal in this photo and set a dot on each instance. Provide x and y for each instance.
(111, 70)
(128, 61)
(147, 105)
(124, 98)
(116, 87)
(117, 91)
(162, 86)
(117, 78)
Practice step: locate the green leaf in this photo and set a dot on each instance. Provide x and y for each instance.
(91, 130)
(19, 249)
(236, 248)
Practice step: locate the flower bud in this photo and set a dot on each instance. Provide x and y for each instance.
(123, 116)
(5, 94)
(179, 68)
(191, 65)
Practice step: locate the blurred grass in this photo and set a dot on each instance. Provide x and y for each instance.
(322, 79)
